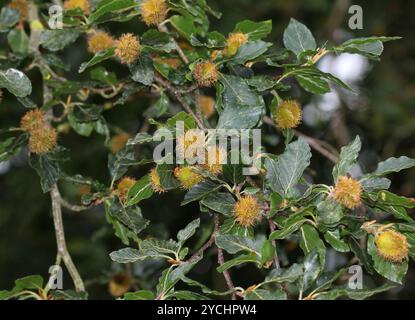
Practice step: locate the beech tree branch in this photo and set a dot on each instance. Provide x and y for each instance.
(176, 93)
(221, 259)
(60, 239)
(320, 146)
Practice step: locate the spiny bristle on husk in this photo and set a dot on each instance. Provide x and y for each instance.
(32, 120)
(347, 192)
(205, 73)
(155, 181)
(247, 211)
(391, 245)
(288, 114)
(124, 187)
(153, 12)
(42, 140)
(78, 4)
(187, 177)
(128, 48)
(234, 42)
(100, 41)
(214, 159)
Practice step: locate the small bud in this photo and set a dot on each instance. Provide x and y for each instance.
(128, 48)
(347, 192)
(119, 141)
(78, 4)
(32, 120)
(99, 41)
(43, 140)
(119, 284)
(234, 42)
(247, 211)
(205, 73)
(215, 157)
(153, 12)
(288, 114)
(155, 181)
(207, 106)
(391, 245)
(123, 187)
(187, 177)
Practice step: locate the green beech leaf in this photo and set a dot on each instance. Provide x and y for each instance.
(141, 190)
(55, 40)
(254, 30)
(188, 231)
(110, 7)
(234, 244)
(394, 165)
(237, 261)
(298, 38)
(16, 82)
(242, 107)
(347, 159)
(285, 172)
(98, 57)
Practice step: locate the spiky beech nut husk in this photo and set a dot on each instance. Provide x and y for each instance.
(78, 4)
(247, 211)
(391, 245)
(123, 187)
(215, 156)
(191, 143)
(347, 192)
(32, 120)
(187, 177)
(205, 73)
(288, 114)
(207, 105)
(128, 48)
(43, 140)
(119, 284)
(119, 141)
(22, 6)
(155, 181)
(99, 41)
(153, 12)
(234, 42)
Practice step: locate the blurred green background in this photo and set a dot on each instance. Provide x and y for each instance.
(383, 114)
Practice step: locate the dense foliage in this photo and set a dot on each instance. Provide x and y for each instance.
(205, 79)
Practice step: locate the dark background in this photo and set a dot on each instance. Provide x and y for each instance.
(384, 117)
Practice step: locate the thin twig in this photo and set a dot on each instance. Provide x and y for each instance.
(206, 246)
(60, 239)
(316, 144)
(73, 207)
(163, 28)
(179, 98)
(221, 260)
(274, 244)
